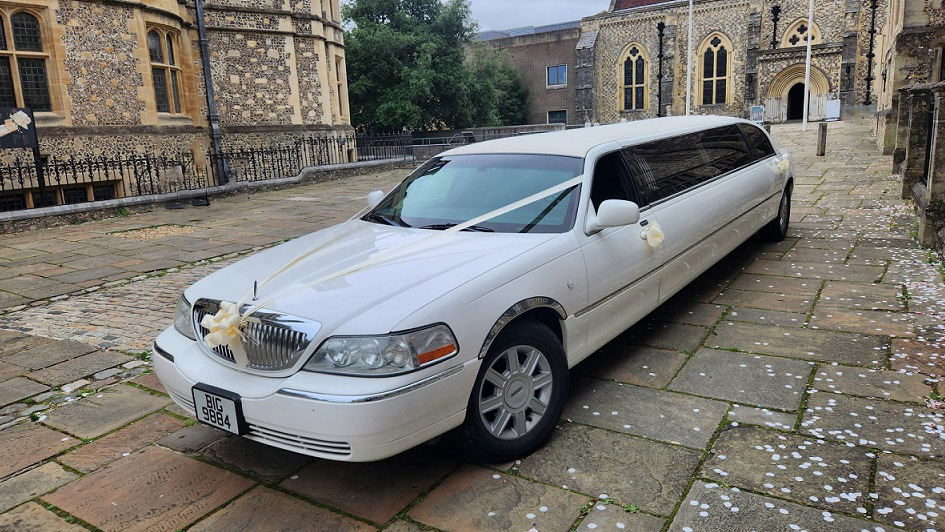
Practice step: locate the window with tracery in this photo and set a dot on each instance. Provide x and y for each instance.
(633, 74)
(715, 70)
(799, 33)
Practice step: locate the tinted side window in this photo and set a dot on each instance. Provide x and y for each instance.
(669, 166)
(757, 140)
(611, 180)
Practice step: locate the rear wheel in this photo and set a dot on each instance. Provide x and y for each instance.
(777, 229)
(518, 395)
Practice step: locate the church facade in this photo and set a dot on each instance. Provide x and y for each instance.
(630, 62)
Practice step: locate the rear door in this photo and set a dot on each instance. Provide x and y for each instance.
(697, 185)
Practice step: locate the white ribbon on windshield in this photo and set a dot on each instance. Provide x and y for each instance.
(229, 314)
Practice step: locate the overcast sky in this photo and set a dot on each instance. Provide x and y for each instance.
(507, 14)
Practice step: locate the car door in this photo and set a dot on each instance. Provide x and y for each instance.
(697, 188)
(622, 270)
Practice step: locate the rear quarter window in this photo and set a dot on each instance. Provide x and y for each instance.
(758, 141)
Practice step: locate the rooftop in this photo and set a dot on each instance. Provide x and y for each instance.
(526, 30)
(629, 4)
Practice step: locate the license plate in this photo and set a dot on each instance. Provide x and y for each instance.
(218, 408)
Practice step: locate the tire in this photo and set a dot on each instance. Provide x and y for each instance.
(512, 411)
(777, 229)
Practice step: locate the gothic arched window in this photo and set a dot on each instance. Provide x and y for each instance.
(632, 74)
(715, 72)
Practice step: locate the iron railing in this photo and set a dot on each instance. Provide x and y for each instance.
(75, 179)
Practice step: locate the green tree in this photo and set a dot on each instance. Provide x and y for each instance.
(407, 68)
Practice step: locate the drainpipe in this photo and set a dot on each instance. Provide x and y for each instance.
(659, 76)
(870, 55)
(212, 116)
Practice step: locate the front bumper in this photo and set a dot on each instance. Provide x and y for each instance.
(298, 414)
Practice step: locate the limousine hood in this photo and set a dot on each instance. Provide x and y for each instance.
(374, 298)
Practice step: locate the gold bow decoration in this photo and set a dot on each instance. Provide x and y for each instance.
(654, 235)
(226, 329)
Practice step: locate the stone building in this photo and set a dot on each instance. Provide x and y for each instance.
(120, 77)
(910, 49)
(630, 61)
(544, 56)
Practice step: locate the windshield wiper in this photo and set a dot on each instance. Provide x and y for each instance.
(375, 217)
(441, 227)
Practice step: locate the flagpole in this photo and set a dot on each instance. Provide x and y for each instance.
(689, 64)
(810, 37)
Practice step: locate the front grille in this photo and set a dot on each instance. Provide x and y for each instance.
(274, 341)
(298, 443)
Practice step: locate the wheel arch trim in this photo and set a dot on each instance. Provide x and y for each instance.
(517, 310)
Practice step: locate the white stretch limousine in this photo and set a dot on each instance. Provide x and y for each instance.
(459, 301)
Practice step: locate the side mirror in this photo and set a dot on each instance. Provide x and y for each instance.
(374, 198)
(613, 213)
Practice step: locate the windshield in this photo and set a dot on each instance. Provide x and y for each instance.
(451, 190)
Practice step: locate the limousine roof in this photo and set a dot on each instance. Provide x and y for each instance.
(577, 142)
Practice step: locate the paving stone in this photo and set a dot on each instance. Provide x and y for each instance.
(389, 485)
(629, 470)
(709, 507)
(268, 463)
(663, 335)
(8, 371)
(266, 509)
(816, 270)
(474, 499)
(19, 388)
(48, 354)
(911, 492)
(404, 526)
(31, 517)
(862, 321)
(814, 254)
(121, 443)
(82, 366)
(823, 346)
(27, 444)
(23, 487)
(802, 469)
(872, 383)
(150, 489)
(191, 439)
(656, 414)
(612, 517)
(762, 417)
(767, 317)
(643, 366)
(772, 283)
(766, 300)
(680, 310)
(754, 379)
(75, 385)
(104, 412)
(104, 374)
(150, 380)
(892, 426)
(868, 296)
(918, 354)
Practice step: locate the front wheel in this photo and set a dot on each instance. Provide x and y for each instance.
(518, 395)
(777, 229)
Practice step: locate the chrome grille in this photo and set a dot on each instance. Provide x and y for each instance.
(274, 341)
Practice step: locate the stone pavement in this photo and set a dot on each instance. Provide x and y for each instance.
(791, 387)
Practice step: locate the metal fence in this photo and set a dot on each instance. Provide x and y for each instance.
(72, 180)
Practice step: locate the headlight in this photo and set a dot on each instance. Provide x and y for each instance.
(184, 318)
(377, 356)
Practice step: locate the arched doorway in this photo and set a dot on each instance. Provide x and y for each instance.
(795, 102)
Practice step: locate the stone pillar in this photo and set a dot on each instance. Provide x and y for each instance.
(669, 72)
(751, 60)
(902, 129)
(913, 171)
(932, 202)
